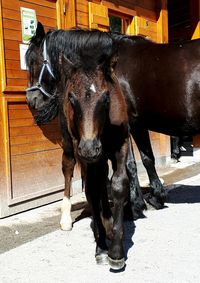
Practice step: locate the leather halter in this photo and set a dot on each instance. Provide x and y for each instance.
(45, 65)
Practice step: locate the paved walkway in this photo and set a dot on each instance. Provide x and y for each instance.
(163, 247)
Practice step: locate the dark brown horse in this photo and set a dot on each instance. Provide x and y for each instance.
(94, 113)
(46, 70)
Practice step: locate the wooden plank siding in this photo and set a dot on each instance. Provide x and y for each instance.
(81, 8)
(31, 174)
(11, 20)
(34, 153)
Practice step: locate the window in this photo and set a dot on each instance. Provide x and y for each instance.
(119, 23)
(115, 24)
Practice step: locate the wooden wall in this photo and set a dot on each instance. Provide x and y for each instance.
(11, 21)
(30, 156)
(149, 17)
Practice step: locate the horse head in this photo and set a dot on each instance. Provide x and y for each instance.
(92, 101)
(41, 77)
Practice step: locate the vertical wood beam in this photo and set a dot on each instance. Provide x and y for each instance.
(66, 17)
(5, 178)
(2, 56)
(196, 33)
(162, 23)
(70, 17)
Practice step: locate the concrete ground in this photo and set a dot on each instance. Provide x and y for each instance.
(163, 247)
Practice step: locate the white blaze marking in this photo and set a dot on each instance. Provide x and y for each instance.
(92, 87)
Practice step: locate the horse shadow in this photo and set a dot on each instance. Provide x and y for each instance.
(183, 194)
(129, 231)
(50, 130)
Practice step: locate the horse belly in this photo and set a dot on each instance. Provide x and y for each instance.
(175, 126)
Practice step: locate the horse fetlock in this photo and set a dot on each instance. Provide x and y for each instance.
(66, 222)
(101, 254)
(102, 258)
(116, 264)
(139, 205)
(156, 202)
(116, 251)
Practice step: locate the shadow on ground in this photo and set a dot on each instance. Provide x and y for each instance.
(15, 235)
(183, 194)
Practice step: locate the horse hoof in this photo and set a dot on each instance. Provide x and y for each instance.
(66, 226)
(102, 259)
(116, 264)
(157, 204)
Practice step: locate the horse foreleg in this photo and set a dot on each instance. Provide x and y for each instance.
(157, 194)
(120, 185)
(95, 183)
(106, 214)
(68, 163)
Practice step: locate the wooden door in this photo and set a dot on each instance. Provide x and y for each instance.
(30, 168)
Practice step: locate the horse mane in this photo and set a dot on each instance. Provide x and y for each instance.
(48, 112)
(118, 37)
(86, 48)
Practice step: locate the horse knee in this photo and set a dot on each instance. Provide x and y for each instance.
(120, 187)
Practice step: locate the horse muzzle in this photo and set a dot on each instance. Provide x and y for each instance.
(34, 99)
(90, 150)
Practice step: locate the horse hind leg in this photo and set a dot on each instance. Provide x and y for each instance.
(68, 168)
(157, 195)
(136, 200)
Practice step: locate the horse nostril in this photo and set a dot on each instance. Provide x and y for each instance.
(98, 150)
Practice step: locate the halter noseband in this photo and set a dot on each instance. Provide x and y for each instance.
(45, 65)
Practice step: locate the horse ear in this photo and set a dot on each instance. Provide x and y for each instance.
(39, 35)
(118, 107)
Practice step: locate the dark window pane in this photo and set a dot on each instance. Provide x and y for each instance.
(115, 24)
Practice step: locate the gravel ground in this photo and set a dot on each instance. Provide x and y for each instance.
(163, 247)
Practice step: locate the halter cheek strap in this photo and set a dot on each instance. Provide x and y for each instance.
(45, 65)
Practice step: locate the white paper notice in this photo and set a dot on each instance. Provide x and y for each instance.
(23, 48)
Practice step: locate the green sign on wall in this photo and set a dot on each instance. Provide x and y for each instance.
(29, 24)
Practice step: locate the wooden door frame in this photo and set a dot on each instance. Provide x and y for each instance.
(65, 14)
